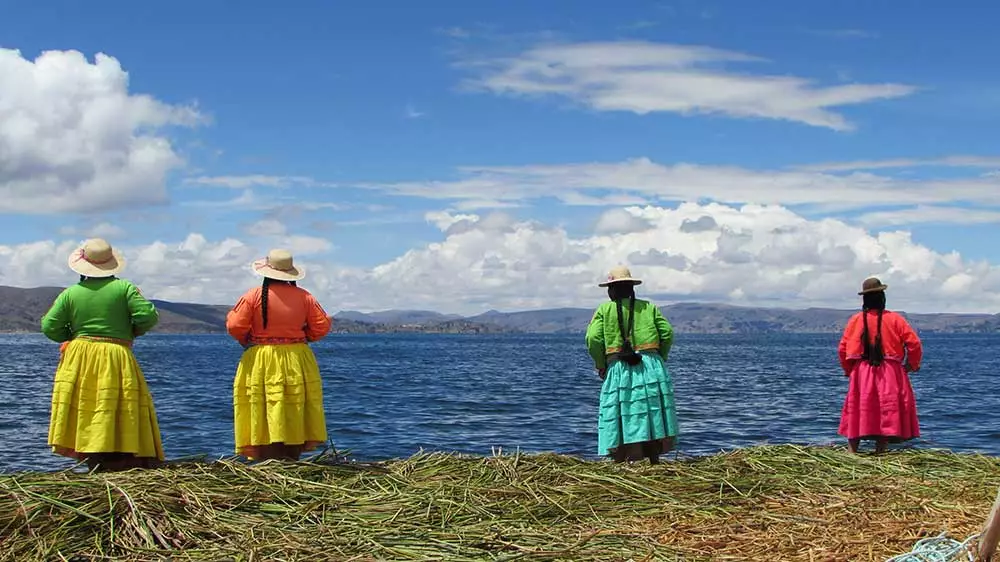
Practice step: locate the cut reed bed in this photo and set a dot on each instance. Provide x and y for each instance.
(762, 503)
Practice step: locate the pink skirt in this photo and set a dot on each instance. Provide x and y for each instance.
(879, 403)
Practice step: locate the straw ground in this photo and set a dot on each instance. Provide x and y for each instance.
(762, 503)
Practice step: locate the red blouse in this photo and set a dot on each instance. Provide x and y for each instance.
(293, 316)
(897, 337)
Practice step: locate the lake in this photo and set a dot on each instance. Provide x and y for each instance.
(392, 395)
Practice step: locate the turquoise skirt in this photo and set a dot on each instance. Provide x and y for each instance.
(637, 404)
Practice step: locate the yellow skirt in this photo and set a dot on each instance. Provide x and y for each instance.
(278, 398)
(101, 404)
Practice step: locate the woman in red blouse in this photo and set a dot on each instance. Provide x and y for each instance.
(877, 351)
(277, 393)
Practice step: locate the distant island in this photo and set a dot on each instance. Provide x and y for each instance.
(21, 309)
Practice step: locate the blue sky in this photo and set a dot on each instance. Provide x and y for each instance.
(357, 110)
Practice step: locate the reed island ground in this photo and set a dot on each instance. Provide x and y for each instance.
(761, 503)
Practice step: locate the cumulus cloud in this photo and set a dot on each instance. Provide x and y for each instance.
(644, 77)
(274, 233)
(758, 254)
(73, 138)
(701, 224)
(620, 221)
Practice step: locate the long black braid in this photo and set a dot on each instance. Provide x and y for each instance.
(872, 352)
(265, 287)
(618, 292)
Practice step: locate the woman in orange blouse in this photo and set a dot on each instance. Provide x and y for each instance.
(877, 351)
(277, 393)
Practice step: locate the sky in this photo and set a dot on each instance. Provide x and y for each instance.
(466, 156)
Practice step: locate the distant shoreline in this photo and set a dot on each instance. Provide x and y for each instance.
(21, 310)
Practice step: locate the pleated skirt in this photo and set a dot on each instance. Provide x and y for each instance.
(880, 403)
(278, 399)
(101, 404)
(637, 407)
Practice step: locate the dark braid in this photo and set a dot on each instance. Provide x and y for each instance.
(264, 290)
(872, 352)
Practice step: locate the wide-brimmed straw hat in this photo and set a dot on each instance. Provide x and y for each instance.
(278, 265)
(620, 274)
(96, 258)
(872, 285)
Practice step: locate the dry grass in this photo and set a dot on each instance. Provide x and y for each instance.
(764, 503)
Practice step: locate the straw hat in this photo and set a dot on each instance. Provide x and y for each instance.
(872, 285)
(96, 258)
(278, 265)
(620, 274)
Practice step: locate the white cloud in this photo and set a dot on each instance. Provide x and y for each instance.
(846, 33)
(620, 221)
(104, 230)
(640, 179)
(255, 180)
(412, 113)
(643, 77)
(72, 137)
(957, 161)
(275, 233)
(930, 215)
(752, 255)
(249, 200)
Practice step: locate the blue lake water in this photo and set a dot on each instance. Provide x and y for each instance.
(391, 395)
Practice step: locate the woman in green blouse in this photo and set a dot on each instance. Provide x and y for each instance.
(102, 411)
(629, 340)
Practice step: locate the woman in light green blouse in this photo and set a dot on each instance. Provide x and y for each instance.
(629, 340)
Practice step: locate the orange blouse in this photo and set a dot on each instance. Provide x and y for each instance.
(897, 337)
(293, 316)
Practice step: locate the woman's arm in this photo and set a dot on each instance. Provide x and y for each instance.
(595, 341)
(239, 320)
(317, 320)
(56, 322)
(845, 363)
(914, 347)
(142, 312)
(665, 330)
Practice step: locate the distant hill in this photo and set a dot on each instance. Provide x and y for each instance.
(397, 316)
(21, 310)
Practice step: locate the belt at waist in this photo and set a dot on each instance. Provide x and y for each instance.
(884, 358)
(612, 357)
(103, 339)
(275, 341)
(640, 347)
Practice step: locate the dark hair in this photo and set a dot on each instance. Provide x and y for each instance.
(621, 291)
(618, 292)
(84, 278)
(265, 287)
(872, 352)
(873, 301)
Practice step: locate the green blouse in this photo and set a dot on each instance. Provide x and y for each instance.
(651, 331)
(108, 308)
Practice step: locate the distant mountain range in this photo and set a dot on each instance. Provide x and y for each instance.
(21, 310)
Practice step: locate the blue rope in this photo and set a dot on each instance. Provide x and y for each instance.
(938, 549)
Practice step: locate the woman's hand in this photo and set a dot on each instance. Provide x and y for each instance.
(601, 373)
(910, 369)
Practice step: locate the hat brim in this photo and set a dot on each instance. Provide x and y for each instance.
(629, 280)
(260, 267)
(110, 268)
(878, 289)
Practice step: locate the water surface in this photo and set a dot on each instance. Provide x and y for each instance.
(391, 395)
